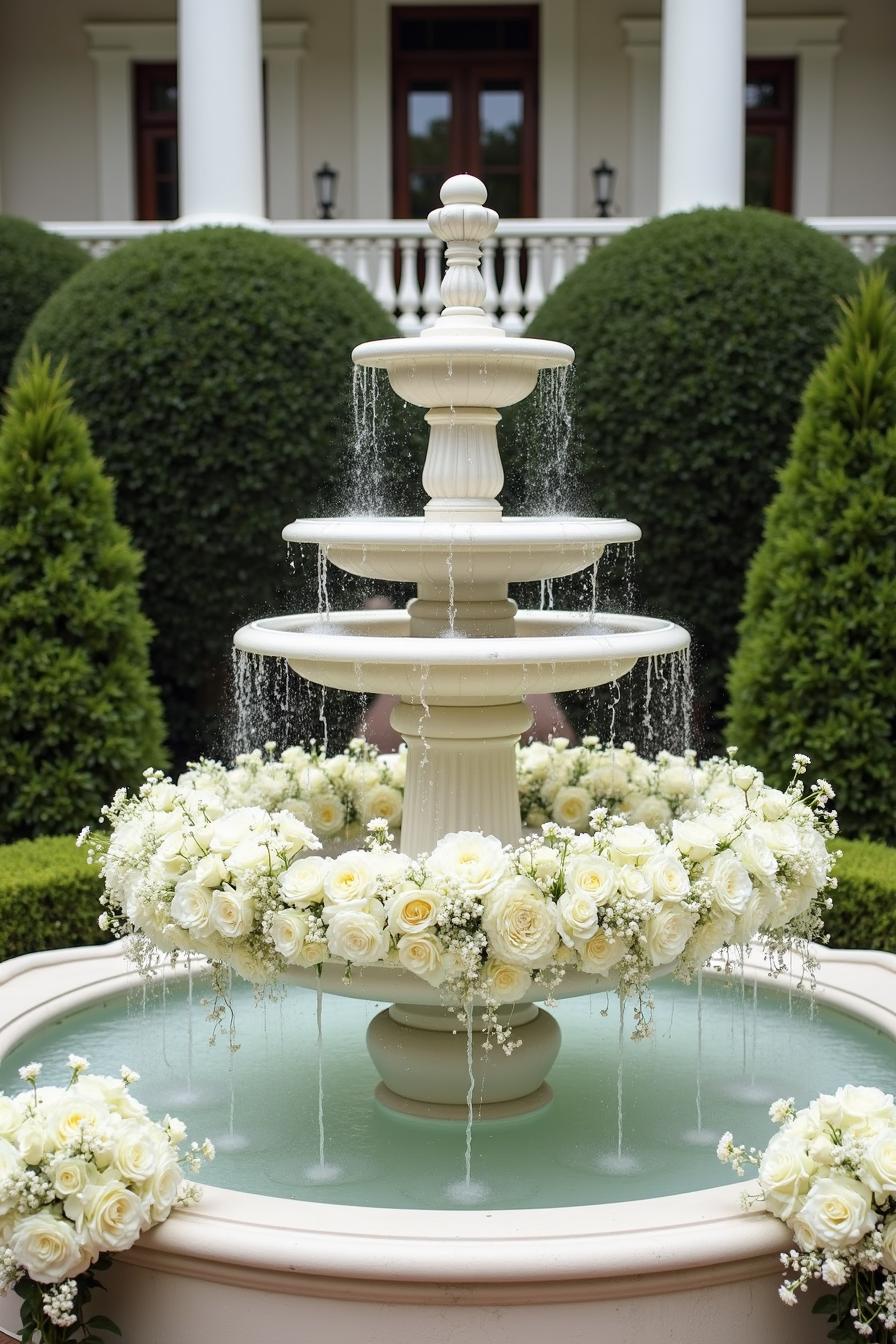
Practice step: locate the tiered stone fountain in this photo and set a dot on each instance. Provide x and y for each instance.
(462, 656)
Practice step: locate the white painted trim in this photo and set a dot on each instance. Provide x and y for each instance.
(813, 40)
(557, 108)
(115, 46)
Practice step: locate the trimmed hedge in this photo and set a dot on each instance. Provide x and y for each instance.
(79, 716)
(864, 913)
(694, 337)
(816, 667)
(214, 369)
(33, 263)
(49, 896)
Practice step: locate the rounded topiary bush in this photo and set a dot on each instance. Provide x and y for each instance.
(815, 669)
(694, 336)
(33, 263)
(214, 369)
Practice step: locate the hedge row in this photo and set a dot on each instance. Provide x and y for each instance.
(49, 897)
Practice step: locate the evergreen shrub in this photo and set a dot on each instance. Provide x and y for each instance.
(214, 368)
(864, 913)
(33, 263)
(694, 337)
(79, 716)
(49, 896)
(815, 670)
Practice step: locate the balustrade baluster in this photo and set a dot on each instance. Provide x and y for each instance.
(534, 293)
(560, 264)
(384, 290)
(581, 248)
(432, 279)
(337, 251)
(511, 293)
(361, 261)
(489, 250)
(409, 289)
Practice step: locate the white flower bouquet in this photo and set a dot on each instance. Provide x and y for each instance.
(830, 1175)
(83, 1172)
(226, 865)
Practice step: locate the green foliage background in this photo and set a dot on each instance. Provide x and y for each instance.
(815, 670)
(33, 263)
(214, 369)
(79, 716)
(694, 336)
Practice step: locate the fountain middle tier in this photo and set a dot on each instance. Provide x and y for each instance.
(439, 550)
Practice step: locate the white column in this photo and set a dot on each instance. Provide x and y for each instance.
(702, 127)
(115, 133)
(220, 125)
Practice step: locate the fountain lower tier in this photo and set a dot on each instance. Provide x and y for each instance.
(462, 708)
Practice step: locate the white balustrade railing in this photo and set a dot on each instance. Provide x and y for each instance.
(400, 262)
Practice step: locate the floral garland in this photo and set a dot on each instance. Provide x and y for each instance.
(83, 1172)
(830, 1175)
(223, 864)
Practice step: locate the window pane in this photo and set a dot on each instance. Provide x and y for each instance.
(760, 170)
(429, 123)
(761, 93)
(166, 200)
(166, 156)
(504, 193)
(163, 96)
(500, 125)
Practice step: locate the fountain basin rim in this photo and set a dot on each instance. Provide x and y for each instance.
(475, 344)
(393, 984)
(371, 532)
(304, 637)
(575, 1253)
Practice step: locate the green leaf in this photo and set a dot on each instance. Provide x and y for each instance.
(103, 1323)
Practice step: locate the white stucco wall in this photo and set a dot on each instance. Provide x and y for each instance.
(49, 166)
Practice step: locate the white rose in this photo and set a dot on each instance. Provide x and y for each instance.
(577, 917)
(607, 781)
(421, 953)
(69, 1176)
(327, 814)
(731, 883)
(251, 856)
(521, 924)
(694, 839)
(348, 881)
(837, 1212)
(357, 936)
(816, 853)
(107, 1215)
(784, 1173)
(591, 875)
(475, 860)
(32, 1141)
(676, 781)
(821, 1150)
(755, 855)
(543, 862)
(745, 776)
(634, 882)
(879, 1167)
(382, 801)
(170, 858)
(712, 934)
(292, 835)
(11, 1116)
(865, 1111)
(47, 1248)
(668, 876)
(164, 1188)
(633, 844)
(572, 806)
(136, 1151)
(782, 838)
(412, 910)
(191, 905)
(888, 1244)
(599, 954)
(11, 1166)
(232, 913)
(667, 932)
(650, 810)
(288, 931)
(67, 1119)
(211, 871)
(297, 808)
(312, 954)
(303, 882)
(506, 983)
(236, 826)
(773, 803)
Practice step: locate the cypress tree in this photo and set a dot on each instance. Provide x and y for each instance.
(815, 670)
(79, 716)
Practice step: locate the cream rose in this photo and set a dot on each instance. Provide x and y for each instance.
(303, 882)
(676, 781)
(543, 862)
(632, 844)
(731, 883)
(667, 932)
(784, 1173)
(668, 877)
(384, 802)
(68, 1118)
(578, 917)
(477, 861)
(863, 1110)
(521, 924)
(651, 810)
(357, 936)
(599, 954)
(694, 840)
(292, 835)
(837, 1212)
(412, 910)
(572, 806)
(164, 1188)
(288, 931)
(232, 913)
(591, 875)
(327, 814)
(11, 1116)
(11, 1165)
(888, 1244)
(211, 871)
(348, 880)
(236, 826)
(879, 1167)
(506, 983)
(422, 954)
(47, 1248)
(136, 1151)
(69, 1176)
(755, 855)
(191, 905)
(107, 1215)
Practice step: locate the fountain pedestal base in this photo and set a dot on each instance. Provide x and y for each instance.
(421, 1054)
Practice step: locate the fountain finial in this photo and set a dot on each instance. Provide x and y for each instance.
(462, 222)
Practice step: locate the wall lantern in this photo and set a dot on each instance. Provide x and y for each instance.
(325, 180)
(604, 181)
